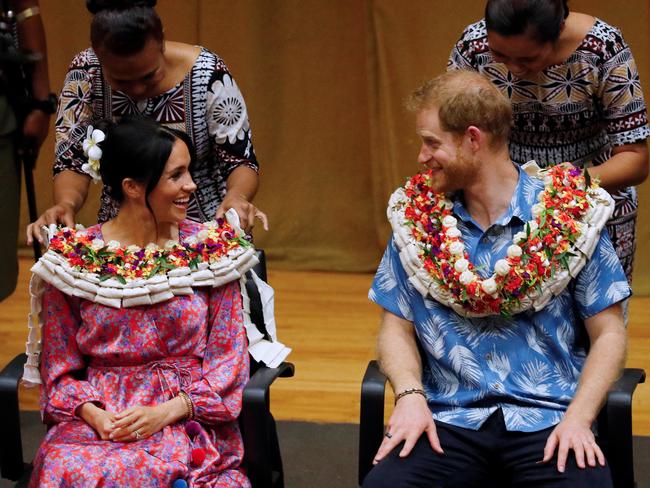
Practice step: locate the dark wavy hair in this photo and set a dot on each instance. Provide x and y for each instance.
(123, 27)
(136, 147)
(543, 19)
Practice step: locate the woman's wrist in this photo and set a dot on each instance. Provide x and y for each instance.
(88, 412)
(176, 410)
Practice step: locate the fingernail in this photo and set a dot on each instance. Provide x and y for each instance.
(561, 469)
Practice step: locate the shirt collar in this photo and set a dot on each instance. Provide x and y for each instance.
(523, 198)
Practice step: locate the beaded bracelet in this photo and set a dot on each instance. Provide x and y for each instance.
(188, 404)
(409, 391)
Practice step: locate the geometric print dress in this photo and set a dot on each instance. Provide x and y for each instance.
(207, 105)
(575, 111)
(145, 355)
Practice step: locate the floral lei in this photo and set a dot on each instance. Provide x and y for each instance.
(543, 257)
(84, 253)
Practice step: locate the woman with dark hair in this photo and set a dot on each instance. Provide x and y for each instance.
(132, 69)
(575, 94)
(143, 358)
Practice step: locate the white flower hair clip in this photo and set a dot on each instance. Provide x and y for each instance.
(93, 152)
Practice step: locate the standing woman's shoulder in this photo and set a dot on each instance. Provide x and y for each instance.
(472, 49)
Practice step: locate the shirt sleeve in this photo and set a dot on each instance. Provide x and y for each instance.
(602, 282)
(623, 106)
(217, 396)
(61, 361)
(75, 112)
(228, 123)
(390, 288)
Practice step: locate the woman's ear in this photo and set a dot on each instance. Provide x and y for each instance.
(132, 189)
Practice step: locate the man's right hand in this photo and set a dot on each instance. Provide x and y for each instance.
(410, 419)
(58, 214)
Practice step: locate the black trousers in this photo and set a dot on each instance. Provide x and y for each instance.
(488, 457)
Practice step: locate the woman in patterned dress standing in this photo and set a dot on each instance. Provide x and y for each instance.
(141, 395)
(132, 69)
(576, 96)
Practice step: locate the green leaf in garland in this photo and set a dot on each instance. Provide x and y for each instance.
(587, 177)
(564, 260)
(244, 243)
(154, 271)
(121, 279)
(105, 277)
(194, 263)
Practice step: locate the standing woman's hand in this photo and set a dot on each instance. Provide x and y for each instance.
(246, 210)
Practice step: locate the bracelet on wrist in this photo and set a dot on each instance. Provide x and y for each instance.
(188, 405)
(410, 391)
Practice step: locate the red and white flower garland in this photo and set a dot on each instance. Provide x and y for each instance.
(552, 248)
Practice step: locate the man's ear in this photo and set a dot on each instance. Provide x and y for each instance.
(475, 137)
(132, 189)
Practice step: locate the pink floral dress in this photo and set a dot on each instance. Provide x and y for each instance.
(118, 358)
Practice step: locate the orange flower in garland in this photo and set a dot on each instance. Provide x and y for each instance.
(109, 260)
(542, 250)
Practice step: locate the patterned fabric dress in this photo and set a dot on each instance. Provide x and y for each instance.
(576, 111)
(207, 105)
(118, 358)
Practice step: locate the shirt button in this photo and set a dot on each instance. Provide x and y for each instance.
(488, 357)
(485, 240)
(496, 386)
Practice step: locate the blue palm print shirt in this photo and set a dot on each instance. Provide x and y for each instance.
(529, 364)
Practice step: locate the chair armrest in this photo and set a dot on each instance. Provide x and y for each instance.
(12, 464)
(371, 419)
(615, 427)
(257, 425)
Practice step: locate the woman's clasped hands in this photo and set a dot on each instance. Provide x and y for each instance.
(134, 423)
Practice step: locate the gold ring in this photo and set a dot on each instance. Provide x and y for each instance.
(137, 434)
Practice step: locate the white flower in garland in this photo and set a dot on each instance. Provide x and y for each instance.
(449, 221)
(97, 244)
(466, 277)
(489, 286)
(113, 246)
(537, 209)
(461, 265)
(519, 237)
(93, 152)
(457, 248)
(514, 251)
(501, 267)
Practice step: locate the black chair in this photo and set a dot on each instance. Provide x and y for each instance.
(614, 423)
(262, 457)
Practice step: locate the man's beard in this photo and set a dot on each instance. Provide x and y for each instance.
(455, 175)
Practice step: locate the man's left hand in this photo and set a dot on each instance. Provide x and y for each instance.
(576, 435)
(246, 210)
